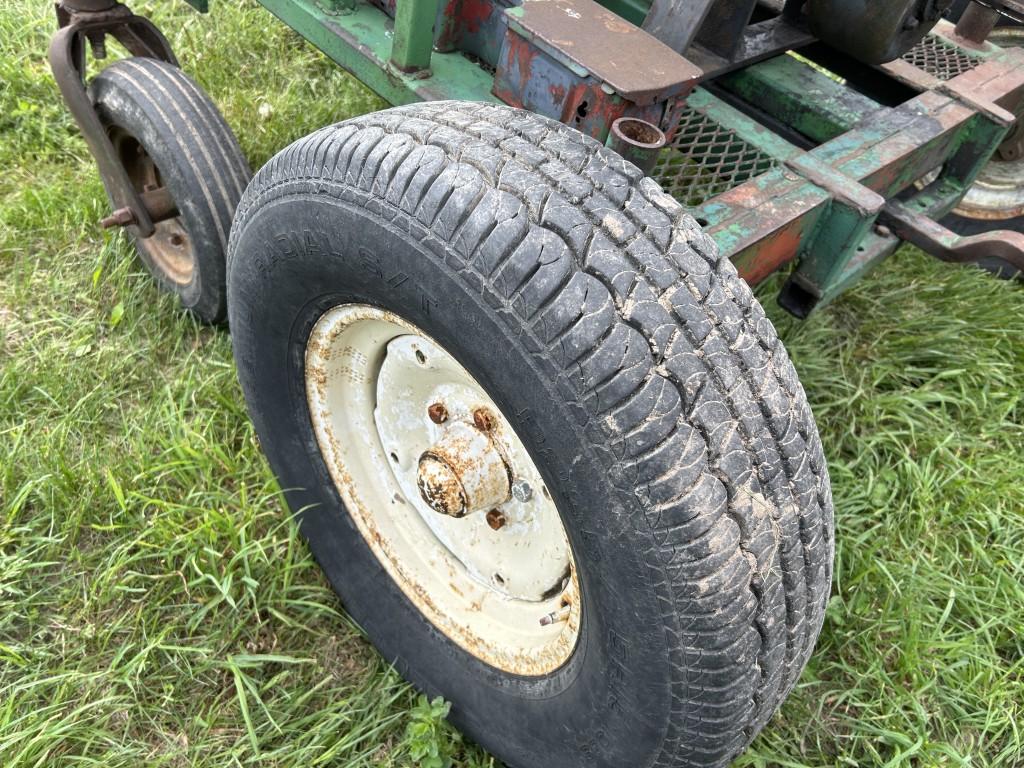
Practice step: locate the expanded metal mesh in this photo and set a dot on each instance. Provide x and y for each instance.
(706, 159)
(940, 59)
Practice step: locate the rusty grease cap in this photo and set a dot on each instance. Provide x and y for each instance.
(440, 487)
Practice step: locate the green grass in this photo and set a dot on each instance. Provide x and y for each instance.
(157, 608)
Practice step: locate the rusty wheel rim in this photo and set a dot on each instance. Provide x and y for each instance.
(489, 563)
(169, 248)
(998, 192)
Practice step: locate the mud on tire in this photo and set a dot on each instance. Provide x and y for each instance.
(642, 376)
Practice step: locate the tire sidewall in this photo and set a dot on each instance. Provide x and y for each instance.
(305, 253)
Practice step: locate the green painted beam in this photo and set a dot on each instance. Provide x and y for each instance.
(801, 96)
(360, 41)
(744, 127)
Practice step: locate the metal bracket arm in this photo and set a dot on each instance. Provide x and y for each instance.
(933, 238)
(67, 60)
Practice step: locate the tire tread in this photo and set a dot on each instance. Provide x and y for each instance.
(677, 366)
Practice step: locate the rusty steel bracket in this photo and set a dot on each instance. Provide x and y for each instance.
(994, 89)
(930, 236)
(579, 63)
(82, 21)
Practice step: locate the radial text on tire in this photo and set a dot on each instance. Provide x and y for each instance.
(168, 132)
(549, 281)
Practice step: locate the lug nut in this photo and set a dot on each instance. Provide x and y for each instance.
(483, 419)
(122, 217)
(438, 413)
(521, 491)
(496, 519)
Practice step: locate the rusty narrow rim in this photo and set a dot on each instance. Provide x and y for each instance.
(169, 248)
(483, 555)
(998, 192)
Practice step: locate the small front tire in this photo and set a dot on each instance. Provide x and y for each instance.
(168, 133)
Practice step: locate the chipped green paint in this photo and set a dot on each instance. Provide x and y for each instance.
(801, 97)
(751, 131)
(360, 42)
(818, 207)
(414, 34)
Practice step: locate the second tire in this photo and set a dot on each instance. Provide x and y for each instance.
(168, 133)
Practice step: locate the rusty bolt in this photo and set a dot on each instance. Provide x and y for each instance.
(122, 217)
(438, 413)
(496, 519)
(483, 419)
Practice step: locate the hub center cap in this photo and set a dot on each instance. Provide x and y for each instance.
(449, 471)
(464, 472)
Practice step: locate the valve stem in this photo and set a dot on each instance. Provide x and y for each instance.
(562, 614)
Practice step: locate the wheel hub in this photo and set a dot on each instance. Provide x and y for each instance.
(998, 192)
(169, 246)
(464, 472)
(442, 489)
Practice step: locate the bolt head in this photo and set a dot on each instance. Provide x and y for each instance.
(122, 217)
(438, 413)
(521, 491)
(496, 519)
(483, 419)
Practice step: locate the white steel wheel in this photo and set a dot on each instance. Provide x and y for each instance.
(998, 193)
(442, 489)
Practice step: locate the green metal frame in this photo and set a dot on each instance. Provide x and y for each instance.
(819, 206)
(858, 143)
(366, 41)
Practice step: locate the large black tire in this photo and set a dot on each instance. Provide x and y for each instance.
(154, 106)
(874, 31)
(640, 372)
(959, 6)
